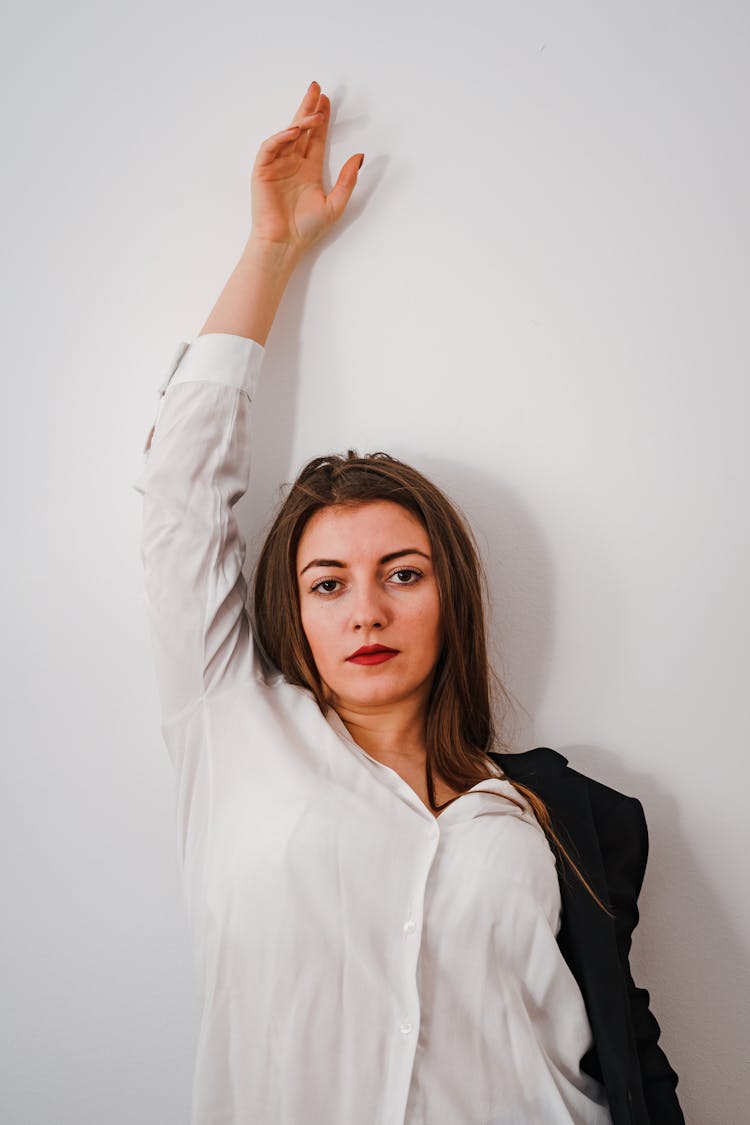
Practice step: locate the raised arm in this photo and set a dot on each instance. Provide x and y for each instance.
(197, 456)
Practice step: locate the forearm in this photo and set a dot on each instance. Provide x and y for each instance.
(248, 302)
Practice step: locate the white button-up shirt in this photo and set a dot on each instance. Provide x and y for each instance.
(360, 961)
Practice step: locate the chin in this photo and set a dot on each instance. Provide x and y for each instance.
(379, 695)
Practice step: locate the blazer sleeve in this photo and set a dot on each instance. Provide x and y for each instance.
(623, 837)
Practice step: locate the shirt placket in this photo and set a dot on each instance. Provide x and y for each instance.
(408, 1011)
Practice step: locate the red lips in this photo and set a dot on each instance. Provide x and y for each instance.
(369, 650)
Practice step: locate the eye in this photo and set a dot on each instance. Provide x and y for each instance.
(408, 570)
(318, 587)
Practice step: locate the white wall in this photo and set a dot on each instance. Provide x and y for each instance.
(538, 295)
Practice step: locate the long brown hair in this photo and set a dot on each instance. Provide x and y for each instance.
(460, 729)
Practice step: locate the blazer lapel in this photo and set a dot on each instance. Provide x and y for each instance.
(586, 937)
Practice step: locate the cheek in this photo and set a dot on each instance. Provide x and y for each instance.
(317, 628)
(436, 623)
(426, 622)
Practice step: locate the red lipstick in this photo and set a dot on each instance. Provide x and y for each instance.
(372, 654)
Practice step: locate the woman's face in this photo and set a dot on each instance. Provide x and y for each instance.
(366, 578)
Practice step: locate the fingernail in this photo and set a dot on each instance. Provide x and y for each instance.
(361, 162)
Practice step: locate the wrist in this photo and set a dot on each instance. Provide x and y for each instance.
(248, 302)
(276, 259)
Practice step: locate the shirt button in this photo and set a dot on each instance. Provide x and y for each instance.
(404, 1027)
(409, 927)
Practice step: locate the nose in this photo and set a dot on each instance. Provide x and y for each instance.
(368, 611)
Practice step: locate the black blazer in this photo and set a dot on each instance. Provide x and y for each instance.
(609, 838)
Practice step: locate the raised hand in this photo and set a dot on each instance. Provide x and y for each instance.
(289, 205)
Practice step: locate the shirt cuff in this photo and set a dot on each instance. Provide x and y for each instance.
(217, 357)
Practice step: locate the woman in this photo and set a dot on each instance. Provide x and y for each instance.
(393, 922)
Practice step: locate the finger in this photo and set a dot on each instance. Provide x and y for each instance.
(315, 139)
(309, 124)
(283, 142)
(293, 138)
(309, 101)
(339, 195)
(308, 105)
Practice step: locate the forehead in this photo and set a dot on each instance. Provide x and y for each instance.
(369, 528)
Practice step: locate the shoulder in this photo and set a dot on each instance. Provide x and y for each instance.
(545, 763)
(551, 771)
(617, 819)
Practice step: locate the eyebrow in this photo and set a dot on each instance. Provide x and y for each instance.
(386, 558)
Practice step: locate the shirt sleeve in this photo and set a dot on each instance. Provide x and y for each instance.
(196, 467)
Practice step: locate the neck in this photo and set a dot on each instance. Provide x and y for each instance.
(398, 733)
